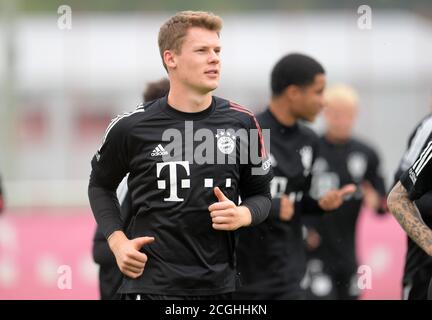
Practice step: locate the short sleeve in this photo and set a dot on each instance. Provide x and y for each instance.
(417, 180)
(110, 163)
(257, 173)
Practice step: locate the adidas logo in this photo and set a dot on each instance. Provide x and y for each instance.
(159, 151)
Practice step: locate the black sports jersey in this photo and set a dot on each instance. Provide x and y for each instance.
(337, 165)
(416, 259)
(174, 159)
(271, 256)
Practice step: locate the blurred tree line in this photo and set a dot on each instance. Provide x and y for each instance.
(219, 6)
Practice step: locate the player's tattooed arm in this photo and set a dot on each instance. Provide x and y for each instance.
(408, 216)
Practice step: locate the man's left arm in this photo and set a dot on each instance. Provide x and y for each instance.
(256, 175)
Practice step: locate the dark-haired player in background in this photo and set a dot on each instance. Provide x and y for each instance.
(156, 90)
(341, 159)
(181, 243)
(271, 256)
(418, 264)
(110, 277)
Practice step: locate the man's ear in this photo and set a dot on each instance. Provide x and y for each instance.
(170, 59)
(292, 92)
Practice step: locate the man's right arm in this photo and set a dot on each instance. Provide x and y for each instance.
(109, 166)
(105, 207)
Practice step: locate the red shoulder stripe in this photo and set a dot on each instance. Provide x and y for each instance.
(239, 108)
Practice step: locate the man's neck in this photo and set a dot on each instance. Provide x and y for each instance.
(186, 100)
(335, 139)
(282, 112)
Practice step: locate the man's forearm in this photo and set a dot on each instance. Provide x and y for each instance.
(259, 207)
(406, 213)
(106, 209)
(274, 212)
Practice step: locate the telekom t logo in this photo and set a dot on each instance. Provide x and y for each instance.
(185, 183)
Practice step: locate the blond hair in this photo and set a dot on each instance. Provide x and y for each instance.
(173, 31)
(342, 92)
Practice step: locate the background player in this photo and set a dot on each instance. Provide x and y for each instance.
(341, 159)
(271, 256)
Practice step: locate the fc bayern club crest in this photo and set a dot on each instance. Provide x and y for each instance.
(225, 142)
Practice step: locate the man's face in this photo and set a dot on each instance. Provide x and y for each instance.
(198, 64)
(340, 117)
(309, 100)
